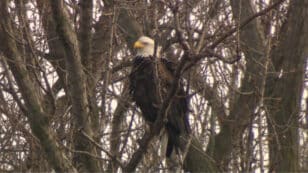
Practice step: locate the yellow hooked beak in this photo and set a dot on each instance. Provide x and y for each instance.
(138, 45)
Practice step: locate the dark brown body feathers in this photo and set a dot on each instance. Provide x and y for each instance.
(144, 91)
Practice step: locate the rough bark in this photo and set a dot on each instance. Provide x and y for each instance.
(57, 54)
(252, 45)
(36, 114)
(284, 86)
(77, 89)
(197, 160)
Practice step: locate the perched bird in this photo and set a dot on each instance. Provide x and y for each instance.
(151, 79)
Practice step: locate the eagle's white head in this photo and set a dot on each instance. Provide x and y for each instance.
(144, 46)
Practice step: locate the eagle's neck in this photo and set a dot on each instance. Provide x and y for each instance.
(148, 52)
(145, 52)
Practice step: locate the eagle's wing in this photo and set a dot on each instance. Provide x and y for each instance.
(178, 123)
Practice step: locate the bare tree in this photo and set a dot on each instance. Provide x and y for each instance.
(65, 104)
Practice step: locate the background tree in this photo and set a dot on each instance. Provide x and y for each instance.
(64, 95)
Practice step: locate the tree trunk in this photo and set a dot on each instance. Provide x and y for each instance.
(284, 86)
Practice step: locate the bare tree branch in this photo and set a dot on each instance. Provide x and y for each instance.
(77, 85)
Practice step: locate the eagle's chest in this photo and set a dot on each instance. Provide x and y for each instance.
(149, 76)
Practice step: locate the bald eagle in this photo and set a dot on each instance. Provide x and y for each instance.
(147, 94)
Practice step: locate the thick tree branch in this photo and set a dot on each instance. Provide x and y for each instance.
(244, 22)
(33, 101)
(284, 89)
(57, 54)
(85, 34)
(77, 86)
(251, 37)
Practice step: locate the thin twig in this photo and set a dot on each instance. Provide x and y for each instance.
(246, 22)
(101, 148)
